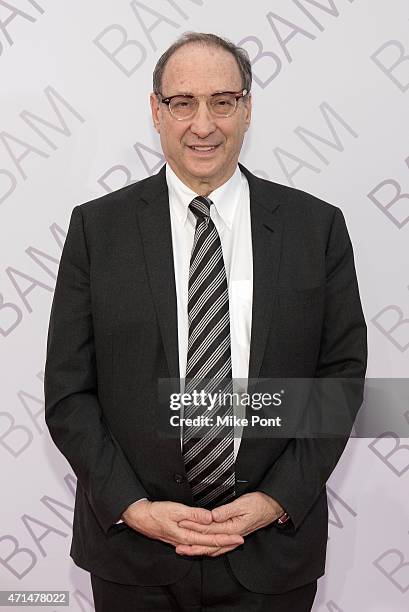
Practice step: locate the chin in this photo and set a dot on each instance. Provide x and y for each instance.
(204, 169)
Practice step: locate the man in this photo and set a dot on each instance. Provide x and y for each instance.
(199, 271)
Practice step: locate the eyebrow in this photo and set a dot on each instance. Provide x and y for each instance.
(185, 93)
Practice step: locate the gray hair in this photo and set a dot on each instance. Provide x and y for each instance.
(241, 56)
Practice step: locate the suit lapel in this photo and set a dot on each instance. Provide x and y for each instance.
(155, 227)
(266, 230)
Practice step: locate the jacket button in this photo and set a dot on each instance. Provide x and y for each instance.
(179, 478)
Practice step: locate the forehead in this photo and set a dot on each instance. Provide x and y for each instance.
(199, 69)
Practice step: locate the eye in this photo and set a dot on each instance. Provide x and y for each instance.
(223, 102)
(181, 102)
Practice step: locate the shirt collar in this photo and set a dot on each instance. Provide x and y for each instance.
(225, 198)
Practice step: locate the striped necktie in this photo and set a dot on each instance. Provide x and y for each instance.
(208, 449)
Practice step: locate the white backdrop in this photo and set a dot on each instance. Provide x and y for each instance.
(331, 99)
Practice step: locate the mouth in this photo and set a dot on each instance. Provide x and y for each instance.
(203, 149)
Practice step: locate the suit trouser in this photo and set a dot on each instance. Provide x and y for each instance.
(210, 585)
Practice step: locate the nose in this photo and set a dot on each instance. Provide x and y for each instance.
(202, 123)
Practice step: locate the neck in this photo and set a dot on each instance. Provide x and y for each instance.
(202, 186)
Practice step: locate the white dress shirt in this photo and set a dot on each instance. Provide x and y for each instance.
(230, 213)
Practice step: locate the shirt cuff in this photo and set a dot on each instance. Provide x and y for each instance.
(137, 500)
(284, 521)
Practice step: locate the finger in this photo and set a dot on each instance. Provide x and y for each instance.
(198, 515)
(218, 539)
(201, 539)
(227, 511)
(196, 550)
(209, 551)
(221, 551)
(187, 524)
(227, 527)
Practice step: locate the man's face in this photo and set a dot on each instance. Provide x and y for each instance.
(199, 70)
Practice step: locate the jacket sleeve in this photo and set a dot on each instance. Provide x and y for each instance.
(72, 411)
(301, 471)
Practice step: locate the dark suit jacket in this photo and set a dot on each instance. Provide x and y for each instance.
(113, 333)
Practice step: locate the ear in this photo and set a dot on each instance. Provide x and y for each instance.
(155, 110)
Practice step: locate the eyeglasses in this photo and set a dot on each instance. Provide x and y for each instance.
(183, 106)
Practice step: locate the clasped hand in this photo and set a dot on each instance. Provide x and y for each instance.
(198, 531)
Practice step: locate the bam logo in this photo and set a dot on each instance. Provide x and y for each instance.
(120, 175)
(129, 54)
(291, 164)
(392, 200)
(393, 60)
(10, 13)
(285, 32)
(18, 150)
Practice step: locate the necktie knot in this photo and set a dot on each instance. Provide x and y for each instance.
(200, 207)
